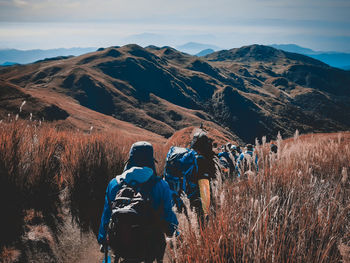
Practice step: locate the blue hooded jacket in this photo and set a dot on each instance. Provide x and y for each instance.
(226, 155)
(160, 194)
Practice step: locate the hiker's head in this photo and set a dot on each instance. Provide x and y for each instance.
(273, 148)
(228, 146)
(233, 148)
(202, 143)
(141, 155)
(249, 147)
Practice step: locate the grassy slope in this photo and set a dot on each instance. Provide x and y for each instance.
(296, 208)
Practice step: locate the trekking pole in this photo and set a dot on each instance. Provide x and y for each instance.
(106, 253)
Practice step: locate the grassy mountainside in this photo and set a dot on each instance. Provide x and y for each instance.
(296, 208)
(251, 91)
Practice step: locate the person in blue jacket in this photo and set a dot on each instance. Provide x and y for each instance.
(245, 161)
(140, 168)
(225, 155)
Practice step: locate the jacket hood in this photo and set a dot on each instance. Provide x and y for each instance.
(141, 155)
(135, 174)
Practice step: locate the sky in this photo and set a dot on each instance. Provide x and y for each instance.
(322, 25)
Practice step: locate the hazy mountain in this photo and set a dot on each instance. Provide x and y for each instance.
(194, 48)
(246, 92)
(339, 60)
(294, 48)
(205, 52)
(8, 63)
(334, 59)
(29, 56)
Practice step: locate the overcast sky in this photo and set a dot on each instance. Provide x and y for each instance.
(317, 24)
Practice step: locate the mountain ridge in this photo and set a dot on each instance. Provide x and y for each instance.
(243, 93)
(335, 59)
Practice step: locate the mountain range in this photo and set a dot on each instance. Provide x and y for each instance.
(243, 93)
(334, 59)
(15, 56)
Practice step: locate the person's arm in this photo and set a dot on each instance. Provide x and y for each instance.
(169, 215)
(240, 158)
(106, 215)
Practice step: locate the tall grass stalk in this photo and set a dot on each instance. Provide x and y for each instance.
(295, 210)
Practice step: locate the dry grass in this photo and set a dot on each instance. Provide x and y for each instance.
(297, 209)
(38, 162)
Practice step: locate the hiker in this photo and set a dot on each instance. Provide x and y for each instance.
(235, 152)
(273, 148)
(138, 186)
(189, 171)
(246, 161)
(226, 159)
(238, 150)
(202, 144)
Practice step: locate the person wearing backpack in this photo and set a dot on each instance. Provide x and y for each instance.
(247, 161)
(202, 144)
(188, 171)
(226, 158)
(137, 210)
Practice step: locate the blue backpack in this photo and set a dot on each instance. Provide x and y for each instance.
(180, 171)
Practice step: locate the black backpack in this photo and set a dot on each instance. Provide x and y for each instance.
(133, 222)
(179, 172)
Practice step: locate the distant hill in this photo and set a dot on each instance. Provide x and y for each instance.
(29, 56)
(194, 48)
(243, 93)
(334, 59)
(205, 52)
(294, 48)
(8, 63)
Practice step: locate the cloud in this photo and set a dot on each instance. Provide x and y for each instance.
(104, 22)
(20, 3)
(159, 10)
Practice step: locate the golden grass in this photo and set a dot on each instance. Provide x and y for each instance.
(297, 209)
(38, 162)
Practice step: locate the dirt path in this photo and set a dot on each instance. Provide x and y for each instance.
(91, 254)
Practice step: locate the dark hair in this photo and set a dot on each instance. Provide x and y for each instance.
(273, 148)
(202, 143)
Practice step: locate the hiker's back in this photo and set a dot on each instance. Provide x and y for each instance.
(134, 221)
(137, 210)
(180, 170)
(247, 161)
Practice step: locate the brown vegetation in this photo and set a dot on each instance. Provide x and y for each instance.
(295, 209)
(38, 163)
